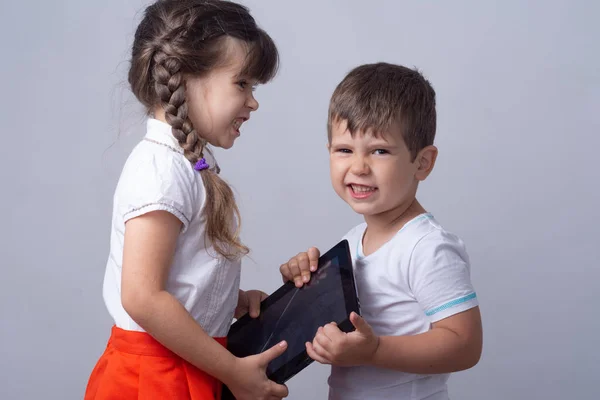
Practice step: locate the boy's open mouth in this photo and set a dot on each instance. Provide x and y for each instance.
(361, 191)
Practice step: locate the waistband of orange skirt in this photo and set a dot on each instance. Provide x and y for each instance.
(142, 343)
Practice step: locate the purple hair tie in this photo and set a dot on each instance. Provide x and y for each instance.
(201, 164)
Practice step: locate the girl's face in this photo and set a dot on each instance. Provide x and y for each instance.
(221, 101)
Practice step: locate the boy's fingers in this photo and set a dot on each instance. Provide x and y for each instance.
(285, 272)
(313, 258)
(332, 331)
(304, 265)
(359, 323)
(323, 342)
(295, 271)
(310, 350)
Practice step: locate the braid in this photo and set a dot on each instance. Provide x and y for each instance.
(170, 89)
(185, 37)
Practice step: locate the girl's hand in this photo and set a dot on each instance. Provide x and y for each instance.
(249, 379)
(249, 302)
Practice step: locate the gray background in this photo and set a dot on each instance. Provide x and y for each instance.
(518, 99)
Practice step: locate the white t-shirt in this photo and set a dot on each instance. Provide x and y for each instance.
(420, 276)
(157, 176)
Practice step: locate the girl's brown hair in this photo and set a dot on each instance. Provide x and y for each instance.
(187, 37)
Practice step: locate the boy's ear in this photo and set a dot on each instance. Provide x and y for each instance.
(328, 147)
(425, 161)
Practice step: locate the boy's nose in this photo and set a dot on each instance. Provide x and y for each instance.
(360, 166)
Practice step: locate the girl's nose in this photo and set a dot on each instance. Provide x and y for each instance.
(251, 103)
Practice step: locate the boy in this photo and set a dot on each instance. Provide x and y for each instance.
(420, 315)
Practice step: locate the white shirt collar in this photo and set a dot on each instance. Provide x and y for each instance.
(160, 132)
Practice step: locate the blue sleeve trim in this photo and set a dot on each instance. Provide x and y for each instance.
(451, 304)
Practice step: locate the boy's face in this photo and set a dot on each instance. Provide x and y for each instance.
(375, 175)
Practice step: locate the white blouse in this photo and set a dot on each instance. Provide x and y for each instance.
(157, 176)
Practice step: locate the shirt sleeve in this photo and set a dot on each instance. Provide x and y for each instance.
(159, 181)
(439, 276)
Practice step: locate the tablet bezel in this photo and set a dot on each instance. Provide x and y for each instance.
(302, 360)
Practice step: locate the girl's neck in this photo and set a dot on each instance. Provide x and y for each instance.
(159, 114)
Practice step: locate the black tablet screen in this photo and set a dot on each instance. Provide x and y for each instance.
(301, 312)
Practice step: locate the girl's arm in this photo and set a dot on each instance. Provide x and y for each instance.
(150, 242)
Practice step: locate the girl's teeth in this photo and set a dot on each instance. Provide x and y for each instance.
(362, 189)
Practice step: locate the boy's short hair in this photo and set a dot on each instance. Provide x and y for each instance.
(379, 97)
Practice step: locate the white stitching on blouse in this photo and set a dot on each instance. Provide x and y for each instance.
(166, 145)
(160, 204)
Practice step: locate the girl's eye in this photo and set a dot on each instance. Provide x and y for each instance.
(245, 84)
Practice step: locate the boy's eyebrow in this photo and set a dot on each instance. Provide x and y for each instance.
(381, 142)
(338, 144)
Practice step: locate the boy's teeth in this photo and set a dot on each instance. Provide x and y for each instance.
(237, 123)
(362, 189)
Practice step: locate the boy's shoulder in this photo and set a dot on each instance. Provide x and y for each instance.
(421, 238)
(431, 231)
(355, 232)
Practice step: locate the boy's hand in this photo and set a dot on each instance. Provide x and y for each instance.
(332, 346)
(298, 268)
(249, 302)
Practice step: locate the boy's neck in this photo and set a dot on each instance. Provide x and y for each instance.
(382, 227)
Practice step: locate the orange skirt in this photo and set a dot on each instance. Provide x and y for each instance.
(136, 366)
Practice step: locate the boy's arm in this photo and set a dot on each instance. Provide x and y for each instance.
(438, 276)
(453, 344)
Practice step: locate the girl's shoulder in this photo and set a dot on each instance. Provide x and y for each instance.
(156, 178)
(152, 163)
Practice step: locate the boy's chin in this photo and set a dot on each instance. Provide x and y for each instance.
(363, 209)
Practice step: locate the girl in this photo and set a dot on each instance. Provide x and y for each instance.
(172, 278)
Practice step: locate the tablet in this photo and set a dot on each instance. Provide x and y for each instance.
(294, 315)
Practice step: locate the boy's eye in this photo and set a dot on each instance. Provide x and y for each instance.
(342, 150)
(381, 151)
